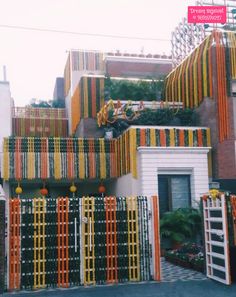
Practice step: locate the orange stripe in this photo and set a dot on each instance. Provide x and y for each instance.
(199, 137)
(181, 137)
(111, 240)
(142, 137)
(62, 242)
(163, 137)
(67, 243)
(14, 244)
(58, 242)
(157, 264)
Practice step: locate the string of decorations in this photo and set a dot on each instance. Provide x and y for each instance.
(85, 241)
(75, 158)
(192, 80)
(129, 110)
(87, 99)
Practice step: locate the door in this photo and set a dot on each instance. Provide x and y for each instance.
(216, 239)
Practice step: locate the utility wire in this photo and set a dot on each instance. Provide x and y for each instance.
(81, 33)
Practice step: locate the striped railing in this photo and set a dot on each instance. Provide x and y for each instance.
(77, 158)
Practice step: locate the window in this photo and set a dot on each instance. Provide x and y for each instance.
(174, 192)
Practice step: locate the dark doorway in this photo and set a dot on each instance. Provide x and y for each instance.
(174, 192)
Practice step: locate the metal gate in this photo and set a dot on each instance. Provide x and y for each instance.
(216, 238)
(61, 242)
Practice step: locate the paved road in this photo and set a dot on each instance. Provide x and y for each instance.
(205, 288)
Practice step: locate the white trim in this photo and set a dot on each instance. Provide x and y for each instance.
(174, 150)
(165, 127)
(174, 171)
(130, 59)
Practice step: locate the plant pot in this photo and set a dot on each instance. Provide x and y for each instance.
(176, 245)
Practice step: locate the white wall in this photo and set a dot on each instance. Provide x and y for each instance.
(68, 110)
(5, 110)
(6, 103)
(154, 161)
(123, 186)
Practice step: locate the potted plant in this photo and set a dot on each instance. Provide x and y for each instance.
(181, 225)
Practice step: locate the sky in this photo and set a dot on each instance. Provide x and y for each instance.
(34, 59)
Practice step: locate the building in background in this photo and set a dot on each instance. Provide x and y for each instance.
(58, 93)
(186, 37)
(85, 74)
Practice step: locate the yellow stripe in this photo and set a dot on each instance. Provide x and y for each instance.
(102, 156)
(133, 239)
(57, 158)
(172, 137)
(81, 168)
(179, 99)
(102, 82)
(152, 137)
(208, 134)
(190, 138)
(187, 81)
(205, 93)
(195, 76)
(85, 80)
(133, 152)
(88, 208)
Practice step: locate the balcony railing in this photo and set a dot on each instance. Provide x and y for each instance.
(39, 113)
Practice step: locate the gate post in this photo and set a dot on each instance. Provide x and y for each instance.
(2, 240)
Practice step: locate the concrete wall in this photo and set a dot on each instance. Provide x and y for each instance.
(88, 128)
(137, 67)
(6, 104)
(192, 161)
(58, 93)
(223, 153)
(123, 186)
(68, 109)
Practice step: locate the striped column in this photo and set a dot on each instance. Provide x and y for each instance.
(2, 244)
(14, 244)
(133, 239)
(63, 242)
(39, 208)
(156, 239)
(111, 240)
(88, 240)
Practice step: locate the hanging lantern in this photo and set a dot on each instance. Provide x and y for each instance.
(18, 190)
(101, 189)
(44, 192)
(73, 188)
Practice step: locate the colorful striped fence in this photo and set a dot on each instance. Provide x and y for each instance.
(75, 158)
(87, 99)
(82, 241)
(39, 122)
(87, 60)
